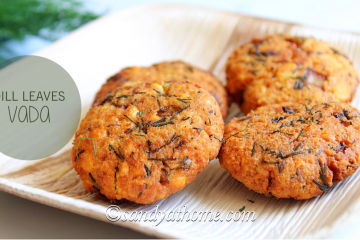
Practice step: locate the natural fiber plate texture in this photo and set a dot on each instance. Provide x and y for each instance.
(150, 34)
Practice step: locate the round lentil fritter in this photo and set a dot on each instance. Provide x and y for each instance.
(293, 150)
(167, 71)
(145, 142)
(281, 68)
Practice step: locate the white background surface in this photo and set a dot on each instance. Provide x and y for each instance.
(21, 218)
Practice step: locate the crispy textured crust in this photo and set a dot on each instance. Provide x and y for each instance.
(275, 150)
(264, 92)
(167, 71)
(151, 141)
(283, 68)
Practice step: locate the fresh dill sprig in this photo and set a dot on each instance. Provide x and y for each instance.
(130, 119)
(245, 118)
(159, 121)
(92, 179)
(321, 151)
(118, 154)
(278, 131)
(124, 96)
(301, 132)
(77, 155)
(297, 147)
(296, 153)
(218, 139)
(178, 112)
(148, 172)
(163, 124)
(270, 162)
(253, 149)
(166, 144)
(326, 186)
(79, 145)
(162, 159)
(184, 100)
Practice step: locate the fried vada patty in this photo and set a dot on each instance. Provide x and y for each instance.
(145, 142)
(167, 71)
(293, 150)
(280, 68)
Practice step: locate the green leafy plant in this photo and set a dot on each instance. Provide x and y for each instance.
(44, 18)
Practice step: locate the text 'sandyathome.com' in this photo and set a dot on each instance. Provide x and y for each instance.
(114, 214)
